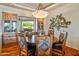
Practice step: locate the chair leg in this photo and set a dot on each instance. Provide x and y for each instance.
(63, 53)
(20, 52)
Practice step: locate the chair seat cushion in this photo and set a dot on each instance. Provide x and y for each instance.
(57, 46)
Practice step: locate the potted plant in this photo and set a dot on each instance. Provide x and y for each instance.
(58, 22)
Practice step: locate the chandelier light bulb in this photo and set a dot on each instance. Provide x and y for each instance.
(40, 14)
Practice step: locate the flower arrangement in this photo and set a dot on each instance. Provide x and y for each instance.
(59, 22)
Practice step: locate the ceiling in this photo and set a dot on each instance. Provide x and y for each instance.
(33, 5)
(28, 6)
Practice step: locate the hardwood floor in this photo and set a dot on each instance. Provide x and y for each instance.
(12, 50)
(71, 52)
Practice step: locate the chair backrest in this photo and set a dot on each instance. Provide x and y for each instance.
(43, 45)
(33, 38)
(50, 32)
(22, 44)
(59, 47)
(63, 37)
(29, 35)
(22, 40)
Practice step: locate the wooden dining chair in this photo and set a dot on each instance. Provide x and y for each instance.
(58, 48)
(22, 44)
(43, 46)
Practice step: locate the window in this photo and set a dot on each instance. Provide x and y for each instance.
(14, 26)
(10, 26)
(28, 25)
(7, 26)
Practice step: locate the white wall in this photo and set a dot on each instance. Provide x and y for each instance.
(70, 12)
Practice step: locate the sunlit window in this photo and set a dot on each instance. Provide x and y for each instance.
(28, 25)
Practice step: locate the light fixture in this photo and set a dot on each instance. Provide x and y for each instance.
(40, 13)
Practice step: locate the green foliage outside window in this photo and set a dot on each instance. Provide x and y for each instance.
(27, 24)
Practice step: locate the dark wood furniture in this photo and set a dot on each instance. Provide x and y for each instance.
(58, 48)
(31, 44)
(31, 49)
(26, 46)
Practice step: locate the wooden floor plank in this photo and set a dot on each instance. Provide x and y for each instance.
(14, 51)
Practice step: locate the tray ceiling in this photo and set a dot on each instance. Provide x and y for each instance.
(28, 6)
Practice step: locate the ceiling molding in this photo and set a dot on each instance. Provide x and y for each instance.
(12, 5)
(18, 6)
(23, 7)
(56, 5)
(52, 6)
(44, 7)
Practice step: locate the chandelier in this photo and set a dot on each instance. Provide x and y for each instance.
(40, 13)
